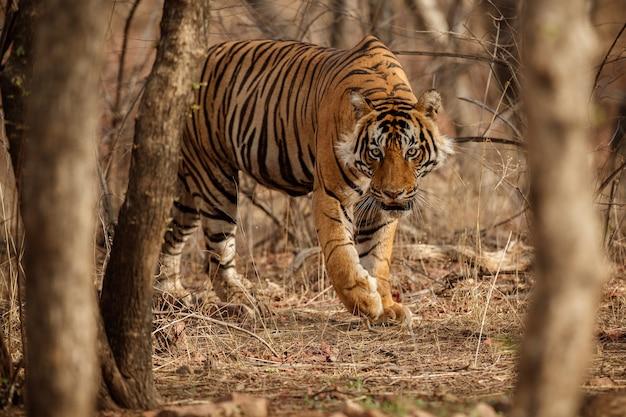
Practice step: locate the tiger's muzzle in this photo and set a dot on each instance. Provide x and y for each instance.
(395, 203)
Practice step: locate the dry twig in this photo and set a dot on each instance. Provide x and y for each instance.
(234, 327)
(480, 139)
(487, 59)
(606, 56)
(491, 287)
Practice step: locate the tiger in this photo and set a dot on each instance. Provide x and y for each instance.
(343, 125)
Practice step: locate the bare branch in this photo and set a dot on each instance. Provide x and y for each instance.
(606, 56)
(498, 115)
(487, 59)
(610, 178)
(483, 139)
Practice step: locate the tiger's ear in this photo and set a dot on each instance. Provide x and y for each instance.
(360, 104)
(429, 103)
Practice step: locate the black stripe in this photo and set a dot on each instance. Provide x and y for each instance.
(185, 209)
(335, 248)
(367, 252)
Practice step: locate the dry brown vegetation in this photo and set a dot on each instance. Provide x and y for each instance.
(463, 266)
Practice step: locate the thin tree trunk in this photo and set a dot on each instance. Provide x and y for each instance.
(379, 17)
(618, 148)
(126, 298)
(559, 50)
(502, 28)
(338, 8)
(428, 14)
(269, 20)
(17, 35)
(58, 201)
(6, 371)
(451, 79)
(15, 74)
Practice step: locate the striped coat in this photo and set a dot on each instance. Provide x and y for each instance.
(300, 118)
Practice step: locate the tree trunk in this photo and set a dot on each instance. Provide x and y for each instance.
(126, 298)
(58, 201)
(559, 50)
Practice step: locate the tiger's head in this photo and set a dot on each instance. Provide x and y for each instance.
(393, 145)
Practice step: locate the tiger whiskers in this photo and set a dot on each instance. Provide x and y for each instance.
(427, 199)
(368, 207)
(365, 210)
(423, 198)
(415, 208)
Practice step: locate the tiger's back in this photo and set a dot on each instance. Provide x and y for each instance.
(257, 105)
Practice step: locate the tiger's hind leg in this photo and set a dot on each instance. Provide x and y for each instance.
(374, 242)
(217, 206)
(184, 222)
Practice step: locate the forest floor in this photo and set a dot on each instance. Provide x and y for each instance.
(311, 355)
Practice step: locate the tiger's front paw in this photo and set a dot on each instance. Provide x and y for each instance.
(398, 313)
(362, 298)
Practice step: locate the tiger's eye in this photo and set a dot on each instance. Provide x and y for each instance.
(376, 153)
(411, 153)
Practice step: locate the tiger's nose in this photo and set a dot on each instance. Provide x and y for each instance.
(392, 193)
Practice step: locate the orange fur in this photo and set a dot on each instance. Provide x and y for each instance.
(343, 124)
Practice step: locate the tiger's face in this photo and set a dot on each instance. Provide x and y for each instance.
(394, 145)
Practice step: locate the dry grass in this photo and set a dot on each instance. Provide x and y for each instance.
(319, 355)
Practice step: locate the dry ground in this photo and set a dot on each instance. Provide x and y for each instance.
(311, 355)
